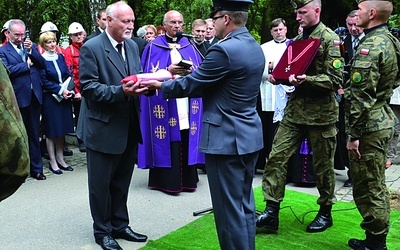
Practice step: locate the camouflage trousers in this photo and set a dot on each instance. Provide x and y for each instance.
(369, 188)
(322, 140)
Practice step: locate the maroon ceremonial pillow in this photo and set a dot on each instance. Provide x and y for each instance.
(296, 59)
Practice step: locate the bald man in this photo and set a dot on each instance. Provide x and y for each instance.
(373, 76)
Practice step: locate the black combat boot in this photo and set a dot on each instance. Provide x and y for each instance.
(371, 242)
(322, 221)
(269, 219)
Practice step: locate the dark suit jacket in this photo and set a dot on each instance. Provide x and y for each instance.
(105, 110)
(21, 75)
(348, 45)
(214, 41)
(229, 79)
(94, 34)
(202, 48)
(141, 43)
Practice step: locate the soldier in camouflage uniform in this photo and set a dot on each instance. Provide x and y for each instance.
(14, 152)
(373, 76)
(311, 112)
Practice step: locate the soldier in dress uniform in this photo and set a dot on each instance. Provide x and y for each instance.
(369, 119)
(311, 112)
(14, 151)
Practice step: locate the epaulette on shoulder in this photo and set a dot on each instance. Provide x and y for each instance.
(225, 39)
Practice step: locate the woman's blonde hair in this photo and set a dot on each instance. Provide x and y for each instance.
(46, 36)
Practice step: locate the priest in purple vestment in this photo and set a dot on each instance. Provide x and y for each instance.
(170, 128)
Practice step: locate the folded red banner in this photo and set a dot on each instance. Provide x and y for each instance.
(160, 75)
(296, 59)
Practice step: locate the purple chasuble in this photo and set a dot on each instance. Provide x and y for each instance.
(159, 118)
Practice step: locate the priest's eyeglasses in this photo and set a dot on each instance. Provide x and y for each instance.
(173, 23)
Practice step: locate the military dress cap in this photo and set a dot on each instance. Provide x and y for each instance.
(300, 3)
(232, 5)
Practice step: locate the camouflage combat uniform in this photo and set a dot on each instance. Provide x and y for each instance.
(311, 112)
(373, 76)
(14, 152)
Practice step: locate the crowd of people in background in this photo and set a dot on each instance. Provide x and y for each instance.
(54, 149)
(53, 85)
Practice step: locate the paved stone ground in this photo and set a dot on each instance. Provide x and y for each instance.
(54, 214)
(392, 182)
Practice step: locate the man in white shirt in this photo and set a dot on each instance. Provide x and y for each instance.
(273, 97)
(210, 32)
(101, 21)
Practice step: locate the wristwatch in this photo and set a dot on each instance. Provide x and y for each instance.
(352, 138)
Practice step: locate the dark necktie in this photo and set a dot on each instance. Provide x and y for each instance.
(356, 41)
(119, 48)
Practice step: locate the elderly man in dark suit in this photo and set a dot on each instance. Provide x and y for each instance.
(24, 63)
(351, 42)
(210, 32)
(109, 124)
(229, 81)
(354, 37)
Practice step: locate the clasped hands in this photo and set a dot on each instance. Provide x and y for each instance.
(67, 94)
(140, 87)
(144, 86)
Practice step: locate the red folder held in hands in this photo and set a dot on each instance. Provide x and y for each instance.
(160, 75)
(296, 59)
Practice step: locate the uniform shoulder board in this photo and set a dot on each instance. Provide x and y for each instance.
(225, 39)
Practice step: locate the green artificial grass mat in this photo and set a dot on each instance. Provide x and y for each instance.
(201, 234)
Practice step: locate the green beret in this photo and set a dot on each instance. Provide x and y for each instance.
(300, 3)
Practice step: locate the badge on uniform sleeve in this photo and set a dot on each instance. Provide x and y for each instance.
(336, 42)
(364, 51)
(356, 77)
(337, 63)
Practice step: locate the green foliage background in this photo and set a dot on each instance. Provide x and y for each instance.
(64, 12)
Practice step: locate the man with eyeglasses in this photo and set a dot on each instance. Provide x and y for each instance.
(199, 28)
(229, 81)
(171, 128)
(24, 63)
(109, 124)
